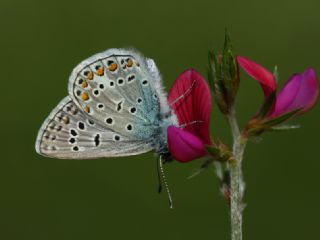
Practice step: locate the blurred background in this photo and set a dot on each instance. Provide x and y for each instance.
(42, 198)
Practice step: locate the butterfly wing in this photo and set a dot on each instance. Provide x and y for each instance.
(120, 92)
(190, 100)
(68, 134)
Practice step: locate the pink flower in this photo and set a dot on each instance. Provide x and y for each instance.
(299, 93)
(190, 100)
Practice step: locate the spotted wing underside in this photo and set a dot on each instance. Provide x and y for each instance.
(68, 134)
(119, 89)
(115, 108)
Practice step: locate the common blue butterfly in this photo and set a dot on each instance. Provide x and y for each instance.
(117, 107)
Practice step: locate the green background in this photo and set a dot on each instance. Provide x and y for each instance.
(41, 198)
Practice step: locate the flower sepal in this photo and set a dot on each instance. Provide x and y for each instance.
(259, 125)
(220, 152)
(220, 156)
(267, 105)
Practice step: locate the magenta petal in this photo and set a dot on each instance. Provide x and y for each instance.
(300, 91)
(184, 146)
(259, 73)
(190, 100)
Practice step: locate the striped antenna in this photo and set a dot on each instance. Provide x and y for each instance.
(162, 177)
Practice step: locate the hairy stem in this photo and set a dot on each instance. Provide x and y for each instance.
(237, 184)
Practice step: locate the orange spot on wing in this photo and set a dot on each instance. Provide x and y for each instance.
(100, 71)
(129, 63)
(113, 67)
(66, 120)
(87, 109)
(84, 84)
(90, 75)
(85, 96)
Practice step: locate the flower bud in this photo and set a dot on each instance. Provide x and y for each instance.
(224, 76)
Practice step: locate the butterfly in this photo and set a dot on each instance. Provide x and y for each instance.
(117, 106)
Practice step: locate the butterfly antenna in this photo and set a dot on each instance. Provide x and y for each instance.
(165, 183)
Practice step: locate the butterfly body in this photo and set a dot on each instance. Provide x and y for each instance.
(116, 107)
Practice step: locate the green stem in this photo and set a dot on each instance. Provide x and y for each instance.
(237, 184)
